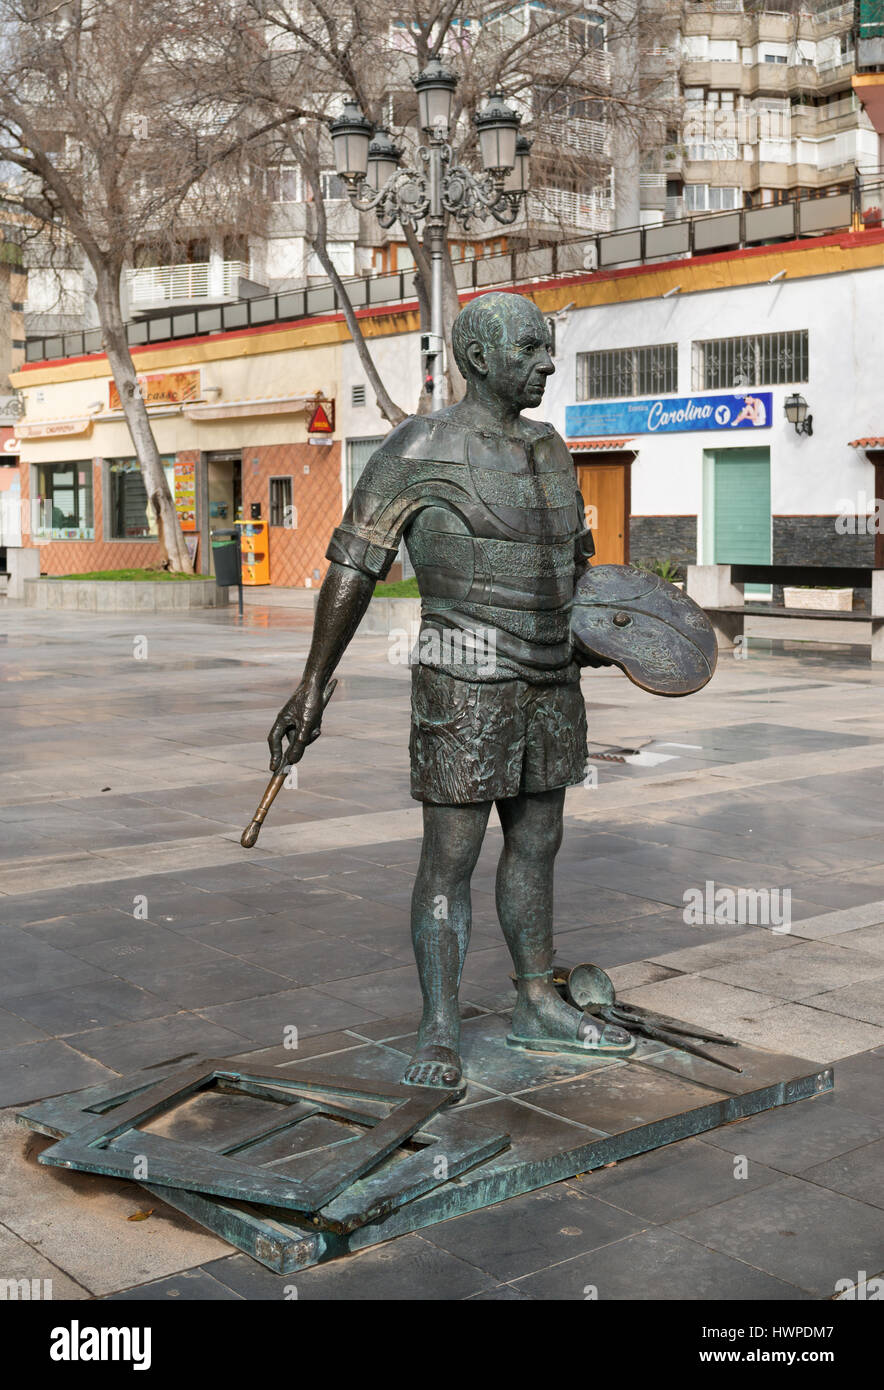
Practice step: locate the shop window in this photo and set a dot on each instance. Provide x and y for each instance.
(64, 493)
(281, 510)
(130, 516)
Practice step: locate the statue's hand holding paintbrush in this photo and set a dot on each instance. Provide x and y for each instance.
(300, 721)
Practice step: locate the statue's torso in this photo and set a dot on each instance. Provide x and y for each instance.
(490, 524)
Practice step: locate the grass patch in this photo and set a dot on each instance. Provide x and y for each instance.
(399, 588)
(133, 576)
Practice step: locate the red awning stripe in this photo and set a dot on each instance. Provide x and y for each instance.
(867, 443)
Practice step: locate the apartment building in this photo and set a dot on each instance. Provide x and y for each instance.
(769, 112)
(563, 100)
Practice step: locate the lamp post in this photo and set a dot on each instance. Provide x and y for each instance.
(437, 187)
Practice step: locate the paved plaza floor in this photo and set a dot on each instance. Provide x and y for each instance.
(136, 931)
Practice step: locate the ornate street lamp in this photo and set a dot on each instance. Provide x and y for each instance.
(437, 187)
(351, 135)
(435, 94)
(498, 127)
(795, 407)
(383, 160)
(517, 179)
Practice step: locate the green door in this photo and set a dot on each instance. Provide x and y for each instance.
(741, 515)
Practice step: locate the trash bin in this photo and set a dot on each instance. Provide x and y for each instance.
(226, 557)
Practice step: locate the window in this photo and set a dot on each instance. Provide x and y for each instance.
(130, 516)
(281, 509)
(284, 184)
(332, 186)
(763, 359)
(639, 371)
(586, 31)
(704, 197)
(775, 58)
(359, 451)
(64, 494)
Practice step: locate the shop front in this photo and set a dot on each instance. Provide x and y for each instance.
(231, 457)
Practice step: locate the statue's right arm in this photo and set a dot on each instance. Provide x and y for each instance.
(343, 599)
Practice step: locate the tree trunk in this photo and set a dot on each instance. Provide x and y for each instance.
(159, 498)
(386, 405)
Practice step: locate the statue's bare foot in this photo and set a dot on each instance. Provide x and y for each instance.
(433, 1065)
(543, 1022)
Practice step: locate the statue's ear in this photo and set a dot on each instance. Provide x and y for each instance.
(477, 360)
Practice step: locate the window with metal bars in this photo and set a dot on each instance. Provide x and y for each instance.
(761, 359)
(636, 371)
(281, 512)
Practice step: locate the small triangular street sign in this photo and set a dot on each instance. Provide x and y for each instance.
(322, 419)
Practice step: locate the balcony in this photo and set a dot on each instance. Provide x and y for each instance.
(199, 282)
(712, 72)
(575, 133)
(582, 212)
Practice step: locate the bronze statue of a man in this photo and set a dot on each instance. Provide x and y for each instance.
(488, 505)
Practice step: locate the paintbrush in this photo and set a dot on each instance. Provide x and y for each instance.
(294, 755)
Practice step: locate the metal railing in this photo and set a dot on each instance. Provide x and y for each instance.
(700, 234)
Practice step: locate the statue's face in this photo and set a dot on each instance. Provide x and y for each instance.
(517, 367)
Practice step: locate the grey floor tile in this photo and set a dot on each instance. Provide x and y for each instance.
(856, 1174)
(528, 1233)
(795, 1231)
(97, 1005)
(657, 1264)
(38, 1069)
(401, 1270)
(792, 1137)
(190, 1286)
(130, 1046)
(14, 1029)
(673, 1181)
(265, 1020)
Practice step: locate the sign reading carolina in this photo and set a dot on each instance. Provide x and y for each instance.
(669, 414)
(169, 388)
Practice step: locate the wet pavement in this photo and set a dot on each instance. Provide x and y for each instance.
(724, 861)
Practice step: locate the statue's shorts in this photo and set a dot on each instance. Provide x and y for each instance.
(484, 740)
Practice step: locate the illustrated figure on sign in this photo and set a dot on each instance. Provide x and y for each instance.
(753, 411)
(488, 506)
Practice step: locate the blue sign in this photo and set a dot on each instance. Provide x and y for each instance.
(669, 414)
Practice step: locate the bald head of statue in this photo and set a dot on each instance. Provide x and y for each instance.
(501, 345)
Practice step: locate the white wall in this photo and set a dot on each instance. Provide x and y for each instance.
(809, 476)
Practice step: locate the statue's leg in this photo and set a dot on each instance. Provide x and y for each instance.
(542, 1020)
(440, 931)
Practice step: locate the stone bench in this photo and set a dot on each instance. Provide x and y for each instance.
(720, 592)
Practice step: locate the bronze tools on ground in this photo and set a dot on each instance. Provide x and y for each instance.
(588, 987)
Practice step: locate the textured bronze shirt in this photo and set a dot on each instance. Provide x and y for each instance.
(496, 532)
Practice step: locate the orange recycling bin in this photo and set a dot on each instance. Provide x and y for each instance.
(255, 543)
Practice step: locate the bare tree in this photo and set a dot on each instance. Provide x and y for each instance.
(575, 75)
(118, 116)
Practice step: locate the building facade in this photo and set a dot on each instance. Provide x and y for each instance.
(769, 112)
(670, 387)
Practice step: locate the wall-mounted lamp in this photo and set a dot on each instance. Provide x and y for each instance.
(676, 289)
(796, 413)
(780, 275)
